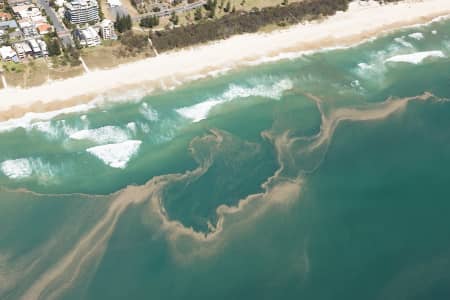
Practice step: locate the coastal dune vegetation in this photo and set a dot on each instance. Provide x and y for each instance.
(241, 22)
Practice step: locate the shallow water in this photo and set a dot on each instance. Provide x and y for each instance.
(322, 177)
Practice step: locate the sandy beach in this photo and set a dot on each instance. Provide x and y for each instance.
(361, 22)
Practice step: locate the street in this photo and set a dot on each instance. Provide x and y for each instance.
(62, 32)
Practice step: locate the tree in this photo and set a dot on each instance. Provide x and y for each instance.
(54, 49)
(149, 22)
(198, 14)
(123, 23)
(174, 18)
(228, 7)
(212, 13)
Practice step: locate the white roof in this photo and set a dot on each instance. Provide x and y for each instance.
(89, 33)
(113, 3)
(7, 52)
(106, 23)
(22, 46)
(42, 44)
(33, 44)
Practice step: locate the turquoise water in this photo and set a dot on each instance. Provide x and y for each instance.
(320, 177)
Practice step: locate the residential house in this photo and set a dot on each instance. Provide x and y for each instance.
(44, 28)
(8, 25)
(23, 49)
(13, 3)
(8, 54)
(26, 11)
(35, 48)
(28, 28)
(4, 16)
(43, 47)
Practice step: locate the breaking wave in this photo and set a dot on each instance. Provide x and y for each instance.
(102, 135)
(201, 110)
(148, 112)
(23, 168)
(416, 58)
(116, 155)
(26, 122)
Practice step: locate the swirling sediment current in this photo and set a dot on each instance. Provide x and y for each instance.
(323, 176)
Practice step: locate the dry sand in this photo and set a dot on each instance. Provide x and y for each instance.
(362, 21)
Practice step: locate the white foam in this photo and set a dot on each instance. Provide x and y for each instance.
(403, 42)
(201, 110)
(198, 111)
(102, 135)
(29, 118)
(417, 36)
(416, 58)
(148, 112)
(44, 127)
(17, 168)
(22, 168)
(132, 127)
(116, 155)
(434, 32)
(364, 66)
(145, 128)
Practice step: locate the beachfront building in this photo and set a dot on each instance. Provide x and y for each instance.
(35, 48)
(107, 30)
(23, 49)
(88, 37)
(82, 11)
(8, 54)
(43, 47)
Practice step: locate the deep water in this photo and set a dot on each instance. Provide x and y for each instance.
(321, 177)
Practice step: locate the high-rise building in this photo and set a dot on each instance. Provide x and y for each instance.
(82, 11)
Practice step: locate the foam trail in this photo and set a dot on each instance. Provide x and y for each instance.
(417, 36)
(148, 112)
(401, 41)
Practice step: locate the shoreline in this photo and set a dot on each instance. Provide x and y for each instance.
(360, 23)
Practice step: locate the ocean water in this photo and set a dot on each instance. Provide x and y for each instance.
(324, 176)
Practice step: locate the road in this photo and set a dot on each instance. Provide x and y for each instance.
(168, 12)
(61, 30)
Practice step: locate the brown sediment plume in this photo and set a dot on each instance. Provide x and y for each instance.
(329, 122)
(279, 189)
